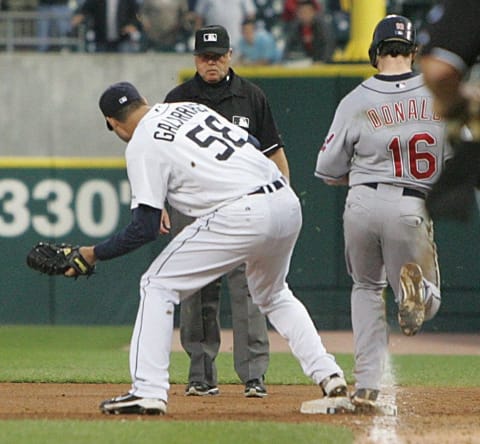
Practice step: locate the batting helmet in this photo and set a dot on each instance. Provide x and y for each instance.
(393, 28)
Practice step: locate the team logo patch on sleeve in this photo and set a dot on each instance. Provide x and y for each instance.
(241, 121)
(327, 141)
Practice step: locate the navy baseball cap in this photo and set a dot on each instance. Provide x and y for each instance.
(115, 97)
(213, 39)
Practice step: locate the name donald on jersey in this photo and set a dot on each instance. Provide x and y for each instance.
(392, 113)
(170, 124)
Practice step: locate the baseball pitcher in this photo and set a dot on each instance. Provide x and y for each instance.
(245, 212)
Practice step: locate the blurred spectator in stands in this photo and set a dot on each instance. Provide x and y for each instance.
(230, 14)
(257, 46)
(4, 5)
(54, 21)
(268, 13)
(21, 5)
(415, 10)
(167, 24)
(289, 13)
(114, 23)
(339, 11)
(310, 36)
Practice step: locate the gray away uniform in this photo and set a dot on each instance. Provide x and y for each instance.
(387, 139)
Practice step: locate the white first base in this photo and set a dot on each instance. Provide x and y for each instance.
(327, 406)
(331, 406)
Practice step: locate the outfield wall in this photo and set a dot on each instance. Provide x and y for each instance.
(62, 177)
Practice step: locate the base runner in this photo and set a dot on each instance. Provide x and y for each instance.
(388, 145)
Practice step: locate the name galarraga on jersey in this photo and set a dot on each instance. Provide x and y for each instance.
(402, 111)
(177, 116)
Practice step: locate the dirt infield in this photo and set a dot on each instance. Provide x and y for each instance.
(425, 415)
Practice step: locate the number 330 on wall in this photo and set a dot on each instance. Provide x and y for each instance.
(53, 209)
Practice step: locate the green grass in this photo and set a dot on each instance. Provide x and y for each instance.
(100, 354)
(437, 371)
(145, 432)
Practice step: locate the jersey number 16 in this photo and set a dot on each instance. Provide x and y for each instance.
(419, 164)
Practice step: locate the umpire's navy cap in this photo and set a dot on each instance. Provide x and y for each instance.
(115, 97)
(212, 39)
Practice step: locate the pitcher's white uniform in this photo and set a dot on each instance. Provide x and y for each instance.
(386, 137)
(206, 167)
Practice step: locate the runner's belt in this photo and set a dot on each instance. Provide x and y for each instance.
(406, 191)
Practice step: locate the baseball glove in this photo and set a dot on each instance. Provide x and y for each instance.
(466, 113)
(53, 259)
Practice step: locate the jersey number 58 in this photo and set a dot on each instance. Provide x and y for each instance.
(225, 137)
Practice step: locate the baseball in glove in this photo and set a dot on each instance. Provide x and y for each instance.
(56, 259)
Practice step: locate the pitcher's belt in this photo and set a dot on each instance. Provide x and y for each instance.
(270, 188)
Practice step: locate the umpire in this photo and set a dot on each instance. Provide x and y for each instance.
(216, 85)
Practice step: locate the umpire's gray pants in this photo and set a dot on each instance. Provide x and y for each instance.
(200, 325)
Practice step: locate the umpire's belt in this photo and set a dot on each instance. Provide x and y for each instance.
(270, 188)
(406, 191)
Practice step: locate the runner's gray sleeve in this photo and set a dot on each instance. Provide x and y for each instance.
(334, 157)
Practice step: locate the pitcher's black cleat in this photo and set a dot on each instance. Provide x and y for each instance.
(131, 404)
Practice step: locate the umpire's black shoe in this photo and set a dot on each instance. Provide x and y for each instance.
(255, 388)
(201, 389)
(131, 404)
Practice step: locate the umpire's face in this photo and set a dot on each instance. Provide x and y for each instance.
(213, 67)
